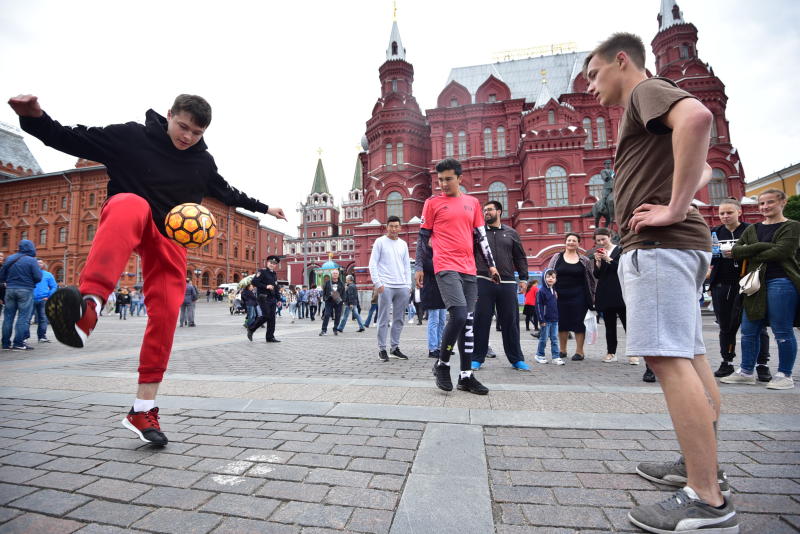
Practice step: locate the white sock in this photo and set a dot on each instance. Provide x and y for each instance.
(444, 363)
(98, 302)
(141, 405)
(465, 374)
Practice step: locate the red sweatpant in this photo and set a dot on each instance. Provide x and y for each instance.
(126, 225)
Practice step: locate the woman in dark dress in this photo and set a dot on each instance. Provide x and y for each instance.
(575, 286)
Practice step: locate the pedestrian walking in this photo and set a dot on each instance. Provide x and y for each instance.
(373, 308)
(187, 307)
(123, 303)
(351, 304)
(332, 297)
(20, 274)
(313, 301)
(268, 294)
(41, 293)
(529, 307)
(547, 310)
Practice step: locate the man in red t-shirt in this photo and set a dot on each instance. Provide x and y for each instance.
(452, 224)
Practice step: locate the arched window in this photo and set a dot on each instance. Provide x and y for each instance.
(718, 187)
(462, 144)
(499, 192)
(394, 48)
(448, 145)
(487, 142)
(91, 200)
(59, 275)
(205, 279)
(388, 153)
(25, 206)
(236, 251)
(4, 240)
(90, 229)
(220, 249)
(394, 205)
(63, 203)
(587, 125)
(62, 234)
(44, 204)
(453, 102)
(551, 117)
(23, 235)
(400, 156)
(684, 51)
(601, 133)
(43, 236)
(501, 141)
(714, 134)
(219, 279)
(556, 186)
(596, 186)
(394, 85)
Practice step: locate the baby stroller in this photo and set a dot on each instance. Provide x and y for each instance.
(237, 306)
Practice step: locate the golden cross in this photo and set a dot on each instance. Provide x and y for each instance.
(394, 10)
(543, 72)
(319, 151)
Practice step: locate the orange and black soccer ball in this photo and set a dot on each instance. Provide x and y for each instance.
(191, 225)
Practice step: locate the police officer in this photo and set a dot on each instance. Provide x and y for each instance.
(509, 257)
(266, 283)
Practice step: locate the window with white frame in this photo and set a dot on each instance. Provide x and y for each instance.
(453, 102)
(499, 192)
(462, 144)
(448, 145)
(552, 228)
(551, 117)
(596, 186)
(400, 155)
(556, 186)
(487, 142)
(567, 226)
(394, 205)
(388, 153)
(718, 187)
(501, 141)
(602, 142)
(587, 125)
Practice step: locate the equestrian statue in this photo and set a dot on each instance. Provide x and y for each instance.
(604, 207)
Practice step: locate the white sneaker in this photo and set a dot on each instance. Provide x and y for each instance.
(609, 358)
(541, 359)
(633, 360)
(558, 361)
(739, 377)
(781, 381)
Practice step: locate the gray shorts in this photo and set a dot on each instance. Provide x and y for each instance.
(662, 290)
(458, 289)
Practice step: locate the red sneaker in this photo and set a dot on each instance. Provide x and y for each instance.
(72, 316)
(145, 425)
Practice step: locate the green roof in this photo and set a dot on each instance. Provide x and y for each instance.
(320, 182)
(357, 184)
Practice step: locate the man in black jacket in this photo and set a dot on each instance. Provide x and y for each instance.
(332, 296)
(152, 168)
(509, 257)
(266, 283)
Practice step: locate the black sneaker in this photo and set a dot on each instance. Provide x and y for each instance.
(397, 354)
(472, 385)
(577, 357)
(273, 340)
(335, 332)
(383, 356)
(442, 374)
(763, 373)
(649, 376)
(24, 346)
(249, 334)
(71, 316)
(725, 369)
(433, 354)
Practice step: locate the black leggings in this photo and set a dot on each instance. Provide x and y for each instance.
(610, 320)
(459, 329)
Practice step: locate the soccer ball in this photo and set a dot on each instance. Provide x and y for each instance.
(190, 224)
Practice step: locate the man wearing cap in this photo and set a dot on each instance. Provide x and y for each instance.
(266, 284)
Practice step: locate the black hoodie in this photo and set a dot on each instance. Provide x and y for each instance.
(141, 159)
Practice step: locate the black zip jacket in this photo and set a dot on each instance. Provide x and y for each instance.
(329, 288)
(264, 278)
(509, 256)
(726, 270)
(142, 160)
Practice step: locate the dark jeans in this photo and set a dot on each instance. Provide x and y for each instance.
(268, 307)
(332, 311)
(41, 319)
(723, 298)
(504, 297)
(302, 309)
(532, 317)
(372, 309)
(610, 321)
(782, 300)
(17, 300)
(312, 311)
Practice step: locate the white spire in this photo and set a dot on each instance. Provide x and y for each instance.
(670, 15)
(395, 50)
(544, 93)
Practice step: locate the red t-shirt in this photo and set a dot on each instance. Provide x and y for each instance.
(530, 296)
(451, 221)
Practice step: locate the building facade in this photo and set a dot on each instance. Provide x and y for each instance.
(786, 180)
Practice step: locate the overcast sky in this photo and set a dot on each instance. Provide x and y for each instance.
(287, 78)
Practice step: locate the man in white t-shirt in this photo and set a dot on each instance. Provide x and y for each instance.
(390, 270)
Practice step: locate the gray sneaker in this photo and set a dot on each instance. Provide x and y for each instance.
(685, 513)
(674, 474)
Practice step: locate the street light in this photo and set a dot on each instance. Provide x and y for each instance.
(303, 209)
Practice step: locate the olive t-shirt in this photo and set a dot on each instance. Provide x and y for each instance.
(644, 167)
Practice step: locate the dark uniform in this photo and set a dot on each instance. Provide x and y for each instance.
(509, 256)
(267, 299)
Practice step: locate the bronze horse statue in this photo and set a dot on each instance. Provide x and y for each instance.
(604, 207)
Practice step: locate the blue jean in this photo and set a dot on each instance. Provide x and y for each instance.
(41, 318)
(123, 311)
(252, 313)
(372, 309)
(18, 301)
(350, 308)
(781, 304)
(549, 330)
(436, 320)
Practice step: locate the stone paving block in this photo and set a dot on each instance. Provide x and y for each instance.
(314, 515)
(118, 490)
(403, 455)
(615, 481)
(371, 521)
(649, 456)
(39, 524)
(121, 470)
(277, 471)
(71, 465)
(627, 444)
(761, 523)
(651, 496)
(288, 427)
(12, 432)
(511, 514)
(232, 423)
(572, 433)
(772, 470)
(366, 498)
(212, 451)
(361, 422)
(338, 477)
(543, 478)
(175, 461)
(564, 516)
(248, 432)
(53, 427)
(128, 454)
(517, 529)
(293, 436)
(592, 454)
(265, 455)
(122, 515)
(50, 502)
(343, 439)
(787, 436)
(410, 434)
(556, 442)
(531, 452)
(171, 521)
(242, 506)
(360, 450)
(26, 459)
(11, 492)
(18, 475)
(523, 494)
(7, 514)
(594, 497)
(373, 431)
(77, 451)
(185, 499)
(626, 434)
(233, 525)
(372, 465)
(509, 464)
(304, 446)
(294, 491)
(82, 439)
(202, 439)
(572, 466)
(229, 484)
(782, 458)
(320, 460)
(31, 446)
(252, 416)
(225, 467)
(781, 486)
(397, 443)
(327, 429)
(204, 430)
(62, 481)
(404, 425)
(387, 482)
(256, 443)
(618, 517)
(163, 476)
(773, 446)
(316, 420)
(46, 436)
(506, 440)
(775, 504)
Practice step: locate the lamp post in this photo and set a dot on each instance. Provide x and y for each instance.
(69, 223)
(303, 208)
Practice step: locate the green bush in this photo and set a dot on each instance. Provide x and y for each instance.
(792, 209)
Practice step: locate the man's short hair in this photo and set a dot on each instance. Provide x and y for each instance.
(349, 278)
(601, 231)
(449, 164)
(393, 218)
(194, 105)
(497, 205)
(629, 43)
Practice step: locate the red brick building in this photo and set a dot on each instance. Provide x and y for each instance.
(527, 134)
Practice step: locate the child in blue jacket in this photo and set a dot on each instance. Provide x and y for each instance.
(547, 308)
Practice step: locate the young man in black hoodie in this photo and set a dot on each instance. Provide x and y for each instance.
(152, 168)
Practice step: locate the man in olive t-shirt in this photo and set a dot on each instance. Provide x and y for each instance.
(660, 165)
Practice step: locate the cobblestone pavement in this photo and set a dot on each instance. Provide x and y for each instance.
(314, 435)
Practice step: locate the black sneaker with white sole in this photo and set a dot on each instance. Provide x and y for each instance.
(471, 384)
(442, 374)
(72, 316)
(382, 356)
(146, 426)
(395, 353)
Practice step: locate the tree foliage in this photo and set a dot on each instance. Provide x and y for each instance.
(792, 209)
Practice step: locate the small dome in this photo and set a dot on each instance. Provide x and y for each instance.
(330, 264)
(364, 143)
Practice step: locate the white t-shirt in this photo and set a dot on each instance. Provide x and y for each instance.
(389, 263)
